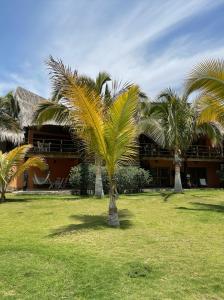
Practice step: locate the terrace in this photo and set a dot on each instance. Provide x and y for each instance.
(194, 151)
(49, 145)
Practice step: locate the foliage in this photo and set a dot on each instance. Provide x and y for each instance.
(9, 124)
(173, 123)
(13, 164)
(207, 79)
(128, 179)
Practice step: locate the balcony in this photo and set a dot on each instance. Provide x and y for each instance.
(47, 145)
(194, 151)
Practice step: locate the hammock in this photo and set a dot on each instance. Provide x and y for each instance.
(40, 180)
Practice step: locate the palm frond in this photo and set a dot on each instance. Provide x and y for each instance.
(212, 130)
(8, 123)
(34, 162)
(207, 76)
(101, 79)
(210, 108)
(12, 164)
(87, 113)
(121, 130)
(51, 111)
(60, 76)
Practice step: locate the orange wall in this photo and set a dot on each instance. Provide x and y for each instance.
(212, 167)
(58, 167)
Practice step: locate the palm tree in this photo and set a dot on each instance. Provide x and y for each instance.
(112, 137)
(207, 78)
(58, 109)
(173, 124)
(12, 165)
(11, 105)
(9, 124)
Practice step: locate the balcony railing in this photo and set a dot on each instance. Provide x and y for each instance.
(194, 151)
(42, 145)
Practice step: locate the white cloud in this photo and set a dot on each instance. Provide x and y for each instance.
(112, 36)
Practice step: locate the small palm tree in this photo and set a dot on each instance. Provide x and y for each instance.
(12, 165)
(112, 137)
(173, 124)
(207, 78)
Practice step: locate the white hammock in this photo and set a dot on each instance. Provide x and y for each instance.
(40, 180)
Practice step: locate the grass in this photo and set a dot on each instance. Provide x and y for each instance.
(60, 247)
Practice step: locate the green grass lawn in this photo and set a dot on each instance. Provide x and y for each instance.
(60, 247)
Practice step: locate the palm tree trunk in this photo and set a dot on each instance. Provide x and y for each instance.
(2, 195)
(99, 193)
(113, 219)
(177, 185)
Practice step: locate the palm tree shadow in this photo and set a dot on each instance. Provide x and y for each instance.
(166, 196)
(204, 207)
(93, 222)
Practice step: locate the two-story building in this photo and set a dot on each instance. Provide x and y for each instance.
(200, 165)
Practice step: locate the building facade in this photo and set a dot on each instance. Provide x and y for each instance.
(200, 166)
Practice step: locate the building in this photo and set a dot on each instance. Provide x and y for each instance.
(50, 140)
(199, 168)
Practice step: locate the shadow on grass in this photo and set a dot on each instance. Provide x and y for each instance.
(40, 198)
(202, 196)
(204, 207)
(94, 222)
(12, 200)
(166, 196)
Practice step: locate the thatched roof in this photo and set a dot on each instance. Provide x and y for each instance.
(28, 102)
(15, 138)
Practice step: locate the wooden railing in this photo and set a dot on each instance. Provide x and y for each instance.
(194, 151)
(46, 145)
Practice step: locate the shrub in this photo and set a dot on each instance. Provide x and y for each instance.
(129, 179)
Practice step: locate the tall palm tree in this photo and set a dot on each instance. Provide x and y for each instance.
(12, 165)
(58, 109)
(173, 124)
(112, 137)
(207, 78)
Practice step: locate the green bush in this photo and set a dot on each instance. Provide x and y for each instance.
(128, 179)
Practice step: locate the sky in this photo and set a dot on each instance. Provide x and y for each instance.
(154, 43)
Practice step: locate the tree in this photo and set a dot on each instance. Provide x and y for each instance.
(9, 124)
(112, 137)
(58, 109)
(207, 78)
(172, 122)
(13, 164)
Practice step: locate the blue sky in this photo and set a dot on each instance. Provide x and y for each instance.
(154, 43)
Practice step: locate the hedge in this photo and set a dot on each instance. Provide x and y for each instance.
(129, 179)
